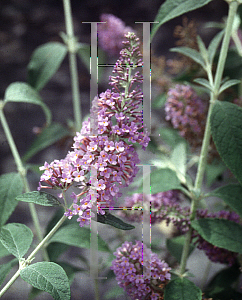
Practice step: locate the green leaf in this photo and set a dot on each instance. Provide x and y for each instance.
(11, 185)
(174, 8)
(175, 246)
(213, 46)
(16, 238)
(49, 136)
(23, 92)
(203, 82)
(170, 136)
(226, 126)
(48, 277)
(163, 180)
(40, 198)
(231, 194)
(220, 284)
(228, 84)
(4, 269)
(193, 54)
(202, 48)
(220, 233)
(182, 289)
(179, 159)
(113, 221)
(44, 63)
(3, 251)
(74, 235)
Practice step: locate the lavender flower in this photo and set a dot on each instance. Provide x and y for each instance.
(129, 269)
(118, 121)
(111, 33)
(187, 113)
(214, 253)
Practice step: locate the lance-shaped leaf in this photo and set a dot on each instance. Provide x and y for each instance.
(23, 92)
(204, 82)
(202, 48)
(228, 84)
(74, 235)
(174, 8)
(231, 194)
(48, 277)
(162, 180)
(193, 54)
(179, 159)
(110, 219)
(48, 136)
(220, 233)
(226, 126)
(213, 46)
(40, 198)
(11, 185)
(16, 238)
(182, 289)
(44, 63)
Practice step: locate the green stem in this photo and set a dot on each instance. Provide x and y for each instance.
(31, 256)
(72, 48)
(207, 135)
(22, 172)
(11, 142)
(233, 6)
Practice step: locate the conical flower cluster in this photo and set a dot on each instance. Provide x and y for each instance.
(141, 279)
(103, 158)
(187, 113)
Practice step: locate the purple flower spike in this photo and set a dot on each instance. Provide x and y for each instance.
(110, 153)
(187, 113)
(140, 279)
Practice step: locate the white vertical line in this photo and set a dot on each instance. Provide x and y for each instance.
(146, 230)
(93, 171)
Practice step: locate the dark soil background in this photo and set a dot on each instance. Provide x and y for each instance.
(27, 24)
